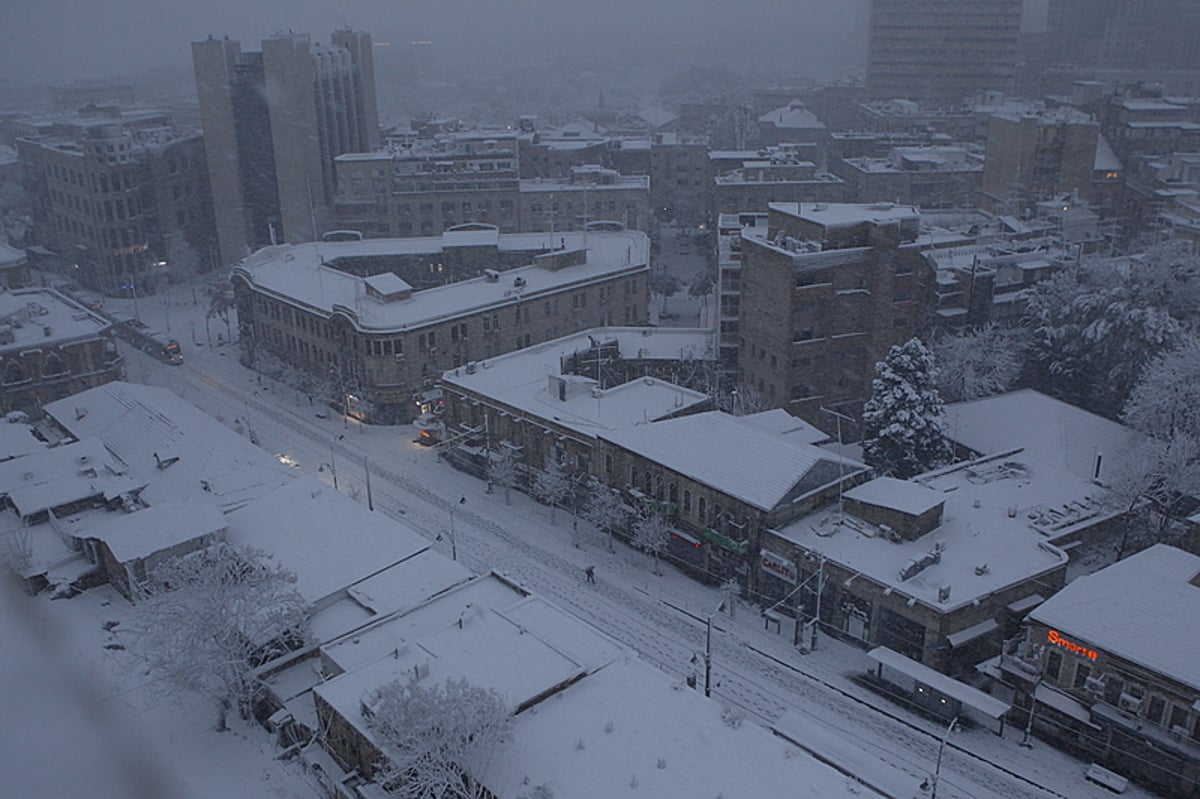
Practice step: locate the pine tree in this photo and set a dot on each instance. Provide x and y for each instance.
(902, 422)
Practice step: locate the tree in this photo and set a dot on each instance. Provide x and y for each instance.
(665, 285)
(440, 738)
(209, 616)
(605, 510)
(1093, 329)
(651, 533)
(220, 303)
(979, 363)
(702, 285)
(503, 468)
(1163, 403)
(552, 484)
(1151, 487)
(902, 422)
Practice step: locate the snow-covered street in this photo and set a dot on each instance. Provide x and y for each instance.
(663, 618)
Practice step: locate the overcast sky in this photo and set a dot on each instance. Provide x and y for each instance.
(64, 39)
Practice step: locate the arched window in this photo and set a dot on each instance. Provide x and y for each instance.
(673, 494)
(13, 373)
(54, 365)
(701, 508)
(687, 501)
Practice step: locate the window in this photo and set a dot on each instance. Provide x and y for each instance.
(1178, 717)
(608, 463)
(687, 501)
(1082, 673)
(1154, 711)
(1054, 665)
(701, 509)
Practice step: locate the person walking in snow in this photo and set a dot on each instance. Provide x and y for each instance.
(590, 573)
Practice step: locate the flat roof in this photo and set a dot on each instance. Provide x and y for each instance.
(1048, 429)
(297, 272)
(842, 214)
(520, 379)
(1136, 609)
(999, 514)
(905, 496)
(40, 317)
(987, 704)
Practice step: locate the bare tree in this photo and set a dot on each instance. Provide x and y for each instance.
(504, 469)
(651, 533)
(440, 738)
(1163, 403)
(605, 510)
(207, 617)
(1150, 487)
(552, 484)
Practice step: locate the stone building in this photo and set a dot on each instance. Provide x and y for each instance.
(824, 295)
(118, 196)
(940, 568)
(1112, 673)
(372, 339)
(777, 177)
(51, 348)
(929, 177)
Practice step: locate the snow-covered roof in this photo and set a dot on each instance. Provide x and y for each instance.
(843, 214)
(520, 379)
(63, 475)
(43, 318)
(630, 731)
(998, 516)
(1048, 429)
(777, 420)
(298, 273)
(1106, 157)
(327, 539)
(17, 439)
(523, 652)
(1136, 609)
(904, 496)
(412, 624)
(739, 459)
(194, 451)
(793, 115)
(131, 536)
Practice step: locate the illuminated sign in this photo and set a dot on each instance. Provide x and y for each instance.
(1055, 637)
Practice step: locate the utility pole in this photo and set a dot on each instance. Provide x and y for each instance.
(367, 469)
(937, 771)
(838, 417)
(708, 650)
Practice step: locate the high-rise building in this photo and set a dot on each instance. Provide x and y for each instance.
(276, 120)
(942, 51)
(1124, 34)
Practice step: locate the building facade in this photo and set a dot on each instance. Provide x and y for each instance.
(823, 296)
(51, 348)
(119, 197)
(275, 121)
(371, 341)
(942, 51)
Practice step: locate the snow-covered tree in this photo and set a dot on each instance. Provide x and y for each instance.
(552, 484)
(439, 738)
(702, 285)
(209, 616)
(651, 534)
(979, 363)
(504, 469)
(605, 510)
(1093, 329)
(1151, 486)
(902, 422)
(220, 305)
(664, 285)
(1164, 401)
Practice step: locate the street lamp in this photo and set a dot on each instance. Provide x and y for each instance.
(937, 771)
(450, 532)
(708, 650)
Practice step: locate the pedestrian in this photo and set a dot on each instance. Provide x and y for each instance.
(590, 571)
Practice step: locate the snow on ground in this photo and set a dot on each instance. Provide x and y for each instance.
(663, 618)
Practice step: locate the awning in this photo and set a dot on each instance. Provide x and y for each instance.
(1028, 603)
(986, 704)
(1062, 703)
(971, 633)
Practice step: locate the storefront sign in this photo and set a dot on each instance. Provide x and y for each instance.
(723, 541)
(782, 568)
(1056, 638)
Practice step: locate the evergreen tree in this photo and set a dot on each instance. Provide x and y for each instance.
(902, 422)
